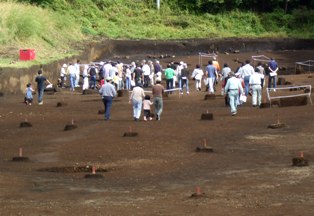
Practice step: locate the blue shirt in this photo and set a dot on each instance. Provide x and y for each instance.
(211, 71)
(40, 82)
(107, 90)
(273, 65)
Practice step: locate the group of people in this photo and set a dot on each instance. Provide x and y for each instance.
(111, 76)
(137, 99)
(246, 81)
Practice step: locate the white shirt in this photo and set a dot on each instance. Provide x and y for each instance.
(72, 70)
(233, 83)
(197, 73)
(146, 70)
(255, 79)
(247, 70)
(137, 94)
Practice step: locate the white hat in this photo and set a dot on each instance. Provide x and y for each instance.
(109, 78)
(181, 62)
(101, 63)
(64, 65)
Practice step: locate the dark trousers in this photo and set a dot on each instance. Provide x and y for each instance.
(146, 81)
(107, 103)
(169, 83)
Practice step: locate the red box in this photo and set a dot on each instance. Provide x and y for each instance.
(27, 54)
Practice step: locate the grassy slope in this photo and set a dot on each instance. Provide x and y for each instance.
(52, 31)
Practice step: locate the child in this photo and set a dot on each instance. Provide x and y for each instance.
(29, 94)
(146, 106)
(116, 81)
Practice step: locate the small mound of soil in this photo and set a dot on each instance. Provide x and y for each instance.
(20, 159)
(264, 105)
(210, 97)
(276, 126)
(1, 94)
(94, 176)
(130, 134)
(101, 112)
(197, 196)
(61, 104)
(204, 149)
(70, 127)
(50, 91)
(122, 93)
(25, 124)
(89, 91)
(207, 116)
(300, 161)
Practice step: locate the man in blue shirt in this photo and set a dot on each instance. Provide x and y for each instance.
(273, 68)
(108, 92)
(41, 81)
(211, 74)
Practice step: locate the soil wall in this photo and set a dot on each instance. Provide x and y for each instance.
(13, 81)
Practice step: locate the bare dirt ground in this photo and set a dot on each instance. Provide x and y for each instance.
(250, 171)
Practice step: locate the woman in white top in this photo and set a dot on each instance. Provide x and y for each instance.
(85, 78)
(136, 99)
(63, 75)
(197, 76)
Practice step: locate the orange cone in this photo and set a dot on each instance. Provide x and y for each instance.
(301, 154)
(93, 170)
(198, 190)
(20, 152)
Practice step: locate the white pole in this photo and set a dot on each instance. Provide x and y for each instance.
(158, 4)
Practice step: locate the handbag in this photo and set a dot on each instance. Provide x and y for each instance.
(243, 98)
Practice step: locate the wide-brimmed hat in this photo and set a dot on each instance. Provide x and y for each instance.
(64, 65)
(109, 78)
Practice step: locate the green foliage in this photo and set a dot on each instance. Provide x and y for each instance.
(56, 24)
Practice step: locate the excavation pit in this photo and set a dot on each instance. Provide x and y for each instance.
(296, 101)
(130, 134)
(70, 127)
(73, 169)
(299, 162)
(20, 159)
(25, 124)
(207, 116)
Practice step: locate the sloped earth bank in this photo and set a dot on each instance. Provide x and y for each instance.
(250, 171)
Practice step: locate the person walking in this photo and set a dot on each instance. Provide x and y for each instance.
(108, 92)
(197, 75)
(28, 94)
(146, 107)
(77, 73)
(211, 74)
(41, 81)
(184, 79)
(232, 88)
(63, 74)
(246, 71)
(158, 91)
(273, 68)
(255, 84)
(72, 74)
(169, 74)
(136, 98)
